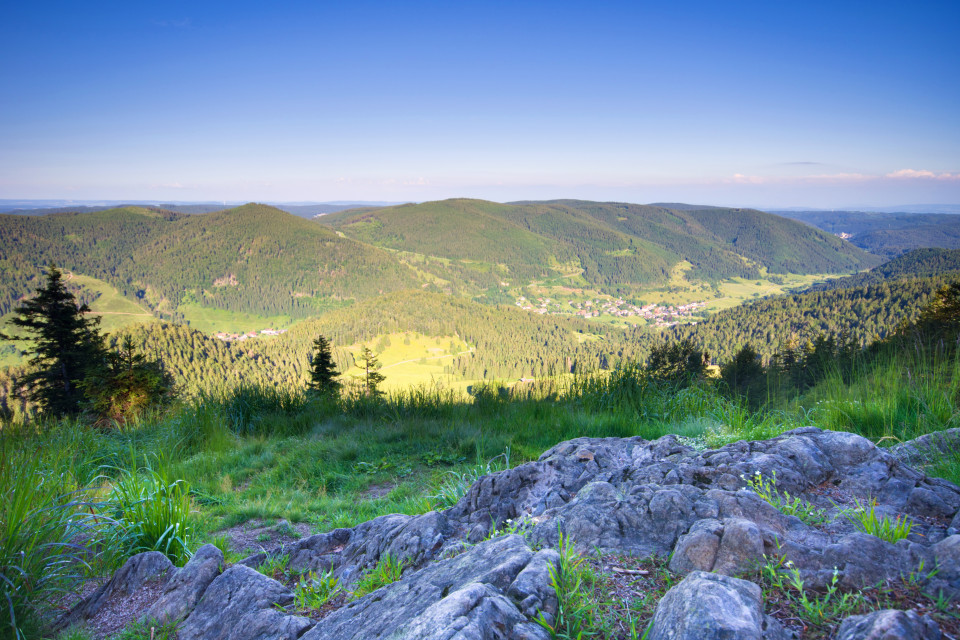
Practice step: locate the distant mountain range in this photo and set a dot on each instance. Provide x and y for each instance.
(45, 207)
(886, 234)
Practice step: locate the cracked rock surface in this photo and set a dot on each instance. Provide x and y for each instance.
(622, 495)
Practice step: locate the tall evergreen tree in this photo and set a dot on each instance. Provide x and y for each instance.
(323, 371)
(371, 368)
(65, 345)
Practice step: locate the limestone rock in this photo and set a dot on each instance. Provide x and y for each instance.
(241, 604)
(709, 606)
(889, 624)
(186, 586)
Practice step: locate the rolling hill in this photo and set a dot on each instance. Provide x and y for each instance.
(253, 258)
(614, 247)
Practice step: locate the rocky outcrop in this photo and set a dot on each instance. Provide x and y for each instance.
(622, 495)
(184, 588)
(136, 573)
(927, 448)
(489, 591)
(242, 604)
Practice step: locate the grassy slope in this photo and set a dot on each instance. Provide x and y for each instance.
(114, 310)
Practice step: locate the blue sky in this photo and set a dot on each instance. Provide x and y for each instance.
(758, 104)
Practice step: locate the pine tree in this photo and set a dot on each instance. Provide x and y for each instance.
(126, 385)
(65, 345)
(372, 376)
(323, 371)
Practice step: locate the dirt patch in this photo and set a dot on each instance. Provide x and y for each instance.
(120, 611)
(380, 490)
(258, 535)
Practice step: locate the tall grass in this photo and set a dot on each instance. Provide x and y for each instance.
(150, 512)
(42, 534)
(899, 395)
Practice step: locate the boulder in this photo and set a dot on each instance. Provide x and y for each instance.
(889, 624)
(709, 606)
(136, 573)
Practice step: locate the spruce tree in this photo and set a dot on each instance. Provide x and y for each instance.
(65, 346)
(323, 371)
(372, 376)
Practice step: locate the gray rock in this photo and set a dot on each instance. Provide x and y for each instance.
(186, 586)
(697, 549)
(477, 594)
(241, 604)
(889, 624)
(731, 547)
(708, 606)
(138, 571)
(927, 448)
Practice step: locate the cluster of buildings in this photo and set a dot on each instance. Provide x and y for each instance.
(660, 315)
(239, 337)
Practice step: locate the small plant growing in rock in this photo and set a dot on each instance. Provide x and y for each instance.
(789, 505)
(816, 609)
(312, 591)
(274, 566)
(865, 519)
(387, 571)
(572, 581)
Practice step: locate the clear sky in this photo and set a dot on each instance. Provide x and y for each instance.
(768, 103)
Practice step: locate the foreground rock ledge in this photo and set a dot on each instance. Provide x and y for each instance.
(621, 495)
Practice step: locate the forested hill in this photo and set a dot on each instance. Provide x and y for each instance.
(252, 258)
(887, 234)
(919, 263)
(866, 312)
(617, 247)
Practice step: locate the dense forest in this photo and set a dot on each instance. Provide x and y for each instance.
(252, 259)
(617, 247)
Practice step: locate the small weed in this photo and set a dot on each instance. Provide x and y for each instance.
(264, 537)
(572, 581)
(274, 566)
(510, 526)
(789, 505)
(76, 633)
(147, 630)
(865, 519)
(816, 609)
(387, 571)
(285, 529)
(312, 591)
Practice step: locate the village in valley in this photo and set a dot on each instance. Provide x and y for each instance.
(656, 314)
(250, 335)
